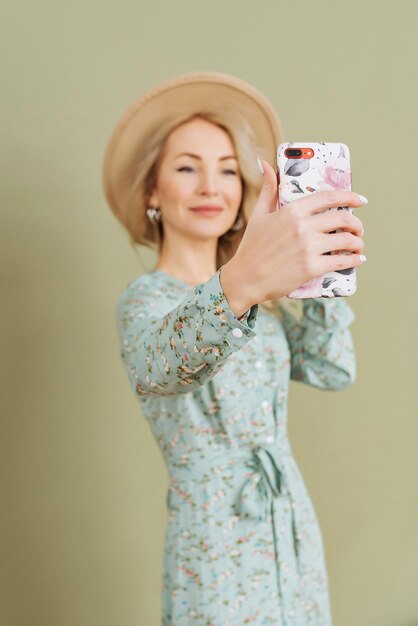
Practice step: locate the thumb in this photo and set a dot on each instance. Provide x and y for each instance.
(267, 201)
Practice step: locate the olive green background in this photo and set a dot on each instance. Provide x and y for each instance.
(82, 481)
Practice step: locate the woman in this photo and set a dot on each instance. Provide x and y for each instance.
(210, 346)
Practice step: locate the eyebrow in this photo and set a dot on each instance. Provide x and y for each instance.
(196, 156)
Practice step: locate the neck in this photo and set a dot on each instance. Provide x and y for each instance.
(193, 262)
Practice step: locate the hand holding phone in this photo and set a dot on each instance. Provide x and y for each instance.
(305, 168)
(283, 247)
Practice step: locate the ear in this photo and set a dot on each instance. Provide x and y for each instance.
(153, 200)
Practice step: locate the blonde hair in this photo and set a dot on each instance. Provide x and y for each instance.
(150, 234)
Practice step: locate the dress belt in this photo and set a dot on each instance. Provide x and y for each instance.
(267, 485)
(267, 491)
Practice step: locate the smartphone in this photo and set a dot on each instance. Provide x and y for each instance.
(307, 167)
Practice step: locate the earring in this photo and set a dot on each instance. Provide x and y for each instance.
(238, 224)
(154, 214)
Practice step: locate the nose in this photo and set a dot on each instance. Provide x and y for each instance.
(208, 182)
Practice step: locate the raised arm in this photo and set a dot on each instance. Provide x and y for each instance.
(321, 343)
(175, 351)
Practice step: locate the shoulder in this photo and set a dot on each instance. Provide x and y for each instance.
(150, 291)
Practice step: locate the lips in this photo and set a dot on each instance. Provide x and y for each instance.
(207, 208)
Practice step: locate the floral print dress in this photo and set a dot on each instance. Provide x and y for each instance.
(243, 543)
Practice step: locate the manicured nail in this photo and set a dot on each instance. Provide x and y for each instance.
(260, 166)
(362, 232)
(363, 199)
(363, 258)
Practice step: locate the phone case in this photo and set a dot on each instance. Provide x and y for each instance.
(328, 168)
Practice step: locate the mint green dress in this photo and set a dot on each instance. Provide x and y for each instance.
(243, 543)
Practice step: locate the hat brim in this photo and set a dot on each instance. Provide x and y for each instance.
(184, 94)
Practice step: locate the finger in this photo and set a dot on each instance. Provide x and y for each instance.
(332, 220)
(338, 262)
(267, 200)
(322, 200)
(340, 241)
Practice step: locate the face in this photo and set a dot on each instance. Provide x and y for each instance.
(199, 168)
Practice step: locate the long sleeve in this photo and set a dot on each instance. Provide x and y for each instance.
(321, 343)
(176, 351)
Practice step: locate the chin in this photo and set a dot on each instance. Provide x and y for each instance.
(209, 231)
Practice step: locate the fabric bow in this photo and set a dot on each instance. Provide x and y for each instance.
(266, 483)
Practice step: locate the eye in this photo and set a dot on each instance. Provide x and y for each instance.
(188, 168)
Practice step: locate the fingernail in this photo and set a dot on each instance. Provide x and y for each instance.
(260, 166)
(363, 199)
(362, 232)
(363, 258)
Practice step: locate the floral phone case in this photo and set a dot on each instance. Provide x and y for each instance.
(327, 168)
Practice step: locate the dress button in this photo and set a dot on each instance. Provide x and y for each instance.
(265, 404)
(237, 332)
(269, 439)
(258, 364)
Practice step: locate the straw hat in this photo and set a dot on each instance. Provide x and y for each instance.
(184, 93)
